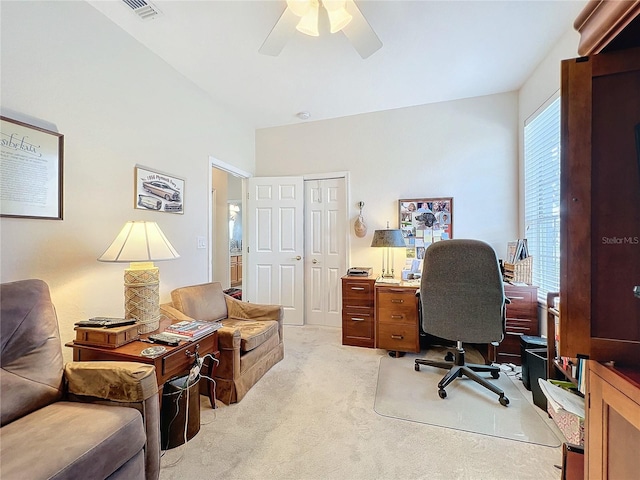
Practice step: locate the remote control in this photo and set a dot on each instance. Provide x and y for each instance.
(164, 339)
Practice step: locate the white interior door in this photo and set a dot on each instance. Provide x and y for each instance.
(325, 250)
(275, 272)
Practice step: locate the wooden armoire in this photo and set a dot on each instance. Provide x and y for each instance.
(600, 229)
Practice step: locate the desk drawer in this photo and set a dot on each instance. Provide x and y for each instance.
(181, 359)
(397, 307)
(357, 293)
(358, 325)
(400, 337)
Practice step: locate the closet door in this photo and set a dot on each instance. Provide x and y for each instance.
(325, 250)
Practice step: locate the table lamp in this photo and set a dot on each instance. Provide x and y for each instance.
(141, 243)
(388, 238)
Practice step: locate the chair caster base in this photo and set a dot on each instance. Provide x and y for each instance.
(504, 401)
(442, 393)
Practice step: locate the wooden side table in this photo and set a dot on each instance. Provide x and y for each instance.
(174, 361)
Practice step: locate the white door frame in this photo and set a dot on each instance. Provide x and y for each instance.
(220, 165)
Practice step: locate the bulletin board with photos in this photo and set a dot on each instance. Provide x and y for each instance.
(424, 221)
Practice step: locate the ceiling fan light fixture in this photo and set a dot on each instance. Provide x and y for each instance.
(299, 7)
(338, 19)
(308, 24)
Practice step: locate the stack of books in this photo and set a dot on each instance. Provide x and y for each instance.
(191, 329)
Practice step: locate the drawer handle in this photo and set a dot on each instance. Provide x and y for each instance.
(397, 300)
(188, 352)
(515, 298)
(357, 319)
(397, 316)
(357, 288)
(397, 337)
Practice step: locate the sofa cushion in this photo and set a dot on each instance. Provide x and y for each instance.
(74, 440)
(252, 334)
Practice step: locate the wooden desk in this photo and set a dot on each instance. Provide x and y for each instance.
(173, 362)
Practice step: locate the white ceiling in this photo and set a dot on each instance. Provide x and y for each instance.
(432, 51)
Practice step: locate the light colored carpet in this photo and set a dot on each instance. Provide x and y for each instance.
(410, 395)
(311, 417)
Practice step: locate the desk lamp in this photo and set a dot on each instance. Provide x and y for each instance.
(388, 238)
(141, 243)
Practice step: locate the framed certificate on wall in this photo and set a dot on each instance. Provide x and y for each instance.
(30, 171)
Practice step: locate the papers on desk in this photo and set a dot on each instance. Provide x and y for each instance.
(391, 281)
(560, 398)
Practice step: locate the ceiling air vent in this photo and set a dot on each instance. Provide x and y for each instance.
(144, 10)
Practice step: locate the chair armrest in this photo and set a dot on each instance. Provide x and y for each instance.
(126, 382)
(229, 338)
(173, 313)
(253, 311)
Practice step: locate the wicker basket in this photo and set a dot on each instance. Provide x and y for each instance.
(521, 271)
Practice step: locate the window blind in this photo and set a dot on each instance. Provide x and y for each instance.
(542, 197)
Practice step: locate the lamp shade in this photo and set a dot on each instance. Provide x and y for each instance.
(338, 15)
(308, 24)
(139, 241)
(388, 238)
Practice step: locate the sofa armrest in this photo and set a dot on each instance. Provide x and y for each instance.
(127, 384)
(253, 311)
(116, 381)
(229, 338)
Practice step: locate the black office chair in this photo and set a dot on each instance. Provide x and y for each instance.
(462, 299)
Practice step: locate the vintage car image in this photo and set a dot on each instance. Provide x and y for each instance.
(151, 203)
(173, 207)
(162, 189)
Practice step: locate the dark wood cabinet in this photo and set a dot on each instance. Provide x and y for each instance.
(600, 207)
(600, 229)
(358, 314)
(522, 319)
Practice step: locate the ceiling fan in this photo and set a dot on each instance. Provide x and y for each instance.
(302, 15)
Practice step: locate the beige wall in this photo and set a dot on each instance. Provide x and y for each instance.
(66, 67)
(466, 149)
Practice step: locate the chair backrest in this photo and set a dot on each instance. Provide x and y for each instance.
(31, 352)
(201, 302)
(461, 292)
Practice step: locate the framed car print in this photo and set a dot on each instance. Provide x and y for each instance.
(424, 221)
(158, 191)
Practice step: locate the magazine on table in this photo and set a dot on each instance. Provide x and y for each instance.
(192, 329)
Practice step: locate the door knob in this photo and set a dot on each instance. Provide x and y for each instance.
(314, 261)
(298, 258)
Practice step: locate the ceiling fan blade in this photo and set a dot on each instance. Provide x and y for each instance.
(360, 33)
(280, 34)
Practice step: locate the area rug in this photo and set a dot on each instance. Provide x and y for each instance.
(406, 394)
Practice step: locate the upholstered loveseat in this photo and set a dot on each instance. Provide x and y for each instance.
(250, 339)
(90, 420)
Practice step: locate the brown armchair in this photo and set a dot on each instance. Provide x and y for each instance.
(83, 420)
(250, 339)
